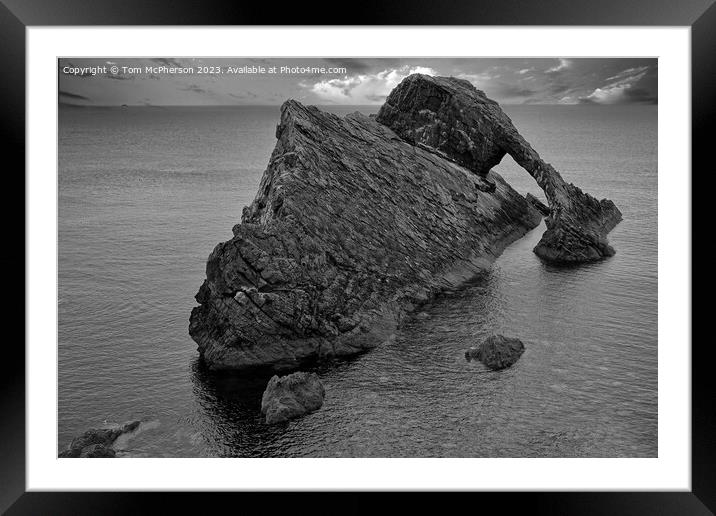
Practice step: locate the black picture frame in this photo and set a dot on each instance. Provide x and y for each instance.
(17, 15)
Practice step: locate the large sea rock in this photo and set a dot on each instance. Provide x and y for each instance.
(351, 229)
(359, 220)
(458, 121)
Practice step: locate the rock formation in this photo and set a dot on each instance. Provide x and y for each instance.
(359, 220)
(351, 229)
(291, 396)
(456, 120)
(97, 442)
(537, 204)
(497, 352)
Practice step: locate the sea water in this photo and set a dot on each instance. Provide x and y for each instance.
(145, 193)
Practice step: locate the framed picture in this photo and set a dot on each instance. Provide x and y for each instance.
(420, 252)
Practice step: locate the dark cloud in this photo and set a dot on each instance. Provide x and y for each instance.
(243, 96)
(74, 96)
(557, 88)
(120, 77)
(641, 96)
(168, 62)
(352, 65)
(505, 90)
(194, 88)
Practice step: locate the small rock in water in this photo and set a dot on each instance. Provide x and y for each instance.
(497, 352)
(422, 316)
(291, 396)
(97, 442)
(98, 451)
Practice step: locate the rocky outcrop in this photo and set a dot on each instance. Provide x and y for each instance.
(97, 451)
(497, 352)
(537, 204)
(457, 121)
(291, 396)
(97, 442)
(352, 228)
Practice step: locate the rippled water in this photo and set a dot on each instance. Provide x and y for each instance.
(146, 193)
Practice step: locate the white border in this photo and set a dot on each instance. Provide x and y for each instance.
(671, 470)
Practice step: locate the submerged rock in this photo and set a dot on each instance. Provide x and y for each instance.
(291, 396)
(497, 352)
(97, 442)
(352, 228)
(458, 121)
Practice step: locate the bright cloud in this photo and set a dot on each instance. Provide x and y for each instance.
(629, 74)
(563, 63)
(478, 79)
(620, 89)
(364, 89)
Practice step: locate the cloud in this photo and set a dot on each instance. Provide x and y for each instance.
(74, 96)
(351, 64)
(194, 88)
(168, 62)
(507, 90)
(243, 96)
(477, 79)
(628, 73)
(500, 89)
(563, 63)
(118, 77)
(363, 88)
(621, 89)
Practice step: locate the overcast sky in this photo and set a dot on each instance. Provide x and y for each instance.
(354, 81)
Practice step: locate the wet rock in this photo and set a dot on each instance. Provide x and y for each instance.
(291, 396)
(367, 228)
(497, 352)
(457, 120)
(97, 451)
(97, 442)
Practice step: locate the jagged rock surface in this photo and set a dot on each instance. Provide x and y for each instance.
(351, 229)
(457, 120)
(97, 442)
(291, 396)
(537, 204)
(497, 352)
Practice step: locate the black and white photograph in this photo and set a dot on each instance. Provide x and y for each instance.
(357, 257)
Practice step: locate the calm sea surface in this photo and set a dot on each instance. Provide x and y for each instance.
(146, 193)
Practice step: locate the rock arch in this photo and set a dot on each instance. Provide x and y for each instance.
(456, 120)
